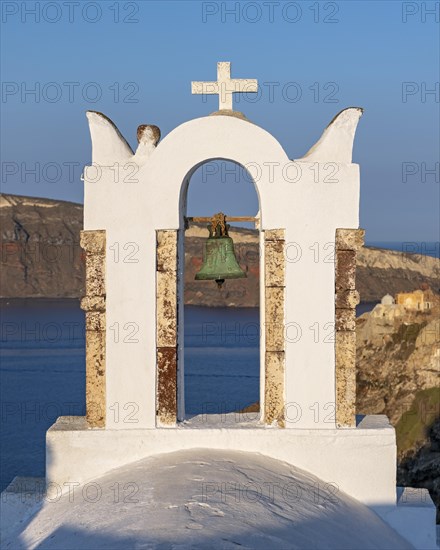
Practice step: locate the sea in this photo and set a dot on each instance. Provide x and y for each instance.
(427, 248)
(42, 371)
(42, 368)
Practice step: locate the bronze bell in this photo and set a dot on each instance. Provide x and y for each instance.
(219, 261)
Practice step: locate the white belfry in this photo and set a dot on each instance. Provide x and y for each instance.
(137, 413)
(225, 86)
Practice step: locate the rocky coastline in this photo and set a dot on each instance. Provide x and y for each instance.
(42, 258)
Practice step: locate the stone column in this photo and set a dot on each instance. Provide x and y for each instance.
(274, 259)
(93, 243)
(348, 241)
(166, 326)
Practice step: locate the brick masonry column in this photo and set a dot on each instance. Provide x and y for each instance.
(274, 259)
(93, 243)
(166, 326)
(348, 242)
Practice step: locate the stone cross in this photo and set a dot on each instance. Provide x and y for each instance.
(225, 86)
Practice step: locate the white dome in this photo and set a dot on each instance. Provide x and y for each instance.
(202, 498)
(387, 300)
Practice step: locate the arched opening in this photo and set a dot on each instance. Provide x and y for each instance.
(221, 341)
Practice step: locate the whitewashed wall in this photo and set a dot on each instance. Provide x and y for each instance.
(131, 196)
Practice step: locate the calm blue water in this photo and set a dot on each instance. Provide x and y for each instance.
(42, 376)
(222, 360)
(428, 248)
(42, 373)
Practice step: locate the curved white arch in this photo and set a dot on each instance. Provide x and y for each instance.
(282, 184)
(213, 138)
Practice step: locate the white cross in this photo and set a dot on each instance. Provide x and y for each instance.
(225, 86)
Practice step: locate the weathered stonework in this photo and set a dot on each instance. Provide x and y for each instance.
(166, 250)
(345, 270)
(274, 245)
(166, 326)
(95, 274)
(346, 379)
(93, 303)
(167, 385)
(274, 326)
(93, 242)
(274, 235)
(95, 378)
(345, 319)
(274, 260)
(95, 321)
(347, 299)
(166, 290)
(274, 384)
(348, 241)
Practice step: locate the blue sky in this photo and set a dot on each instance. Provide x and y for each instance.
(140, 57)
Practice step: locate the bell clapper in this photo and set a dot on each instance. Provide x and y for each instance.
(219, 283)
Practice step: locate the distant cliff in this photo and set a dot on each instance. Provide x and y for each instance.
(398, 374)
(41, 257)
(380, 272)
